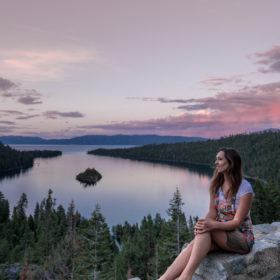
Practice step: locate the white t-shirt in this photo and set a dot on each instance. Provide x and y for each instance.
(244, 188)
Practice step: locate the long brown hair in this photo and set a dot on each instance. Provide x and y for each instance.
(234, 173)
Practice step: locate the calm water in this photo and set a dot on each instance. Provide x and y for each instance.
(128, 190)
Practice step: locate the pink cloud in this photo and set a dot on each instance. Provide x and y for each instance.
(40, 64)
(250, 109)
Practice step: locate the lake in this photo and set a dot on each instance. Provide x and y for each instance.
(128, 190)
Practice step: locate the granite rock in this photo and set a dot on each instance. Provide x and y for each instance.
(262, 263)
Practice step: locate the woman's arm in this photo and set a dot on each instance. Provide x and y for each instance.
(242, 211)
(212, 213)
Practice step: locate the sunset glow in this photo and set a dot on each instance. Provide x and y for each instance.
(192, 68)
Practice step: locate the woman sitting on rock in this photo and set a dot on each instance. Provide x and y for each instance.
(227, 226)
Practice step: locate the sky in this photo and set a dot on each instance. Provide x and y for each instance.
(182, 67)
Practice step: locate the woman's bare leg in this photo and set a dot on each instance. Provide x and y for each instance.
(176, 268)
(180, 263)
(201, 246)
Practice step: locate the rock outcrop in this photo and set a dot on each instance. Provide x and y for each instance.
(262, 263)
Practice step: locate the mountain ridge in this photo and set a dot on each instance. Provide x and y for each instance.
(119, 139)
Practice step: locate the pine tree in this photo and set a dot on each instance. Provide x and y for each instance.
(4, 249)
(4, 211)
(71, 239)
(62, 221)
(266, 195)
(174, 233)
(4, 228)
(98, 248)
(21, 236)
(178, 220)
(46, 228)
(62, 262)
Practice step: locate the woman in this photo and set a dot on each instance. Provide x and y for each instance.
(227, 225)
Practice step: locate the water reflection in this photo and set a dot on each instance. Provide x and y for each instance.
(199, 169)
(14, 174)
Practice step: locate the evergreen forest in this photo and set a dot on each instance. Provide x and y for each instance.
(260, 153)
(57, 243)
(13, 160)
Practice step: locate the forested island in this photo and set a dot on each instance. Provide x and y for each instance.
(89, 177)
(13, 160)
(260, 153)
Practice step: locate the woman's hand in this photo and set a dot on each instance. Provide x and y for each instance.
(204, 225)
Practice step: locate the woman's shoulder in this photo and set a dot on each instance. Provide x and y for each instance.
(245, 188)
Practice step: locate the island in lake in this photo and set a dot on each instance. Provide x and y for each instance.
(89, 177)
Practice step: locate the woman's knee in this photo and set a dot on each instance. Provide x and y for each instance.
(188, 246)
(202, 235)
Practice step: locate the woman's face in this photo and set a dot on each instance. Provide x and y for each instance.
(221, 162)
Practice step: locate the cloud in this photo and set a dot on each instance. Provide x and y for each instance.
(7, 122)
(9, 89)
(270, 59)
(159, 99)
(29, 100)
(27, 117)
(56, 114)
(215, 81)
(41, 64)
(8, 128)
(248, 109)
(10, 112)
(4, 129)
(18, 115)
(218, 81)
(6, 85)
(243, 98)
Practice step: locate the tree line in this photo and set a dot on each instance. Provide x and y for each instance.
(260, 153)
(54, 243)
(13, 160)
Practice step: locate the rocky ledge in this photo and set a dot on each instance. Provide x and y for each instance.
(262, 263)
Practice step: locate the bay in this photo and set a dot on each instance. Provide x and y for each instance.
(128, 190)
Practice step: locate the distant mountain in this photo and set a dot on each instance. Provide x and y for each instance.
(100, 140)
